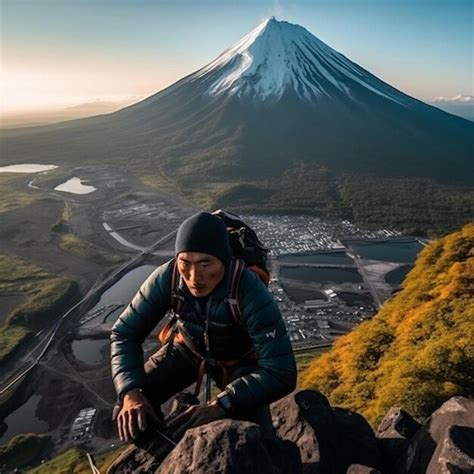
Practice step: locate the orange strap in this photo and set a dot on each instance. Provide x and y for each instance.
(224, 364)
(264, 276)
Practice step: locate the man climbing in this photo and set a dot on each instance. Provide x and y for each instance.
(239, 340)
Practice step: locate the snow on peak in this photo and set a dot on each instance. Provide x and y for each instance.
(278, 56)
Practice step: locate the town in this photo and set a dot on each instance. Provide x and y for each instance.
(319, 280)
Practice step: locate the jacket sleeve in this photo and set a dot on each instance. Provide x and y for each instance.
(276, 373)
(144, 312)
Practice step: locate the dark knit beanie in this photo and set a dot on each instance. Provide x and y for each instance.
(204, 233)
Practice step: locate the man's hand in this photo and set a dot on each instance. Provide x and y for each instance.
(133, 416)
(195, 415)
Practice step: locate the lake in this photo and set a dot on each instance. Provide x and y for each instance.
(24, 420)
(26, 168)
(91, 351)
(334, 258)
(321, 274)
(75, 186)
(388, 251)
(123, 291)
(396, 277)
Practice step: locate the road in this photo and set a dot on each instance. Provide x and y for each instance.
(359, 264)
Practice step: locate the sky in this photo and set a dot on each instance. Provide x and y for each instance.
(63, 53)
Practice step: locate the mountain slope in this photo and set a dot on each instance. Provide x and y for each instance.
(417, 351)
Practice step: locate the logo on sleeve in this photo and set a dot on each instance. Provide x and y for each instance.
(271, 334)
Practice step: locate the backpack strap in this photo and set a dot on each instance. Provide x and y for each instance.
(168, 333)
(177, 300)
(238, 267)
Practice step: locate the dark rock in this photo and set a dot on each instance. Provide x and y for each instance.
(456, 453)
(357, 442)
(397, 423)
(393, 436)
(306, 419)
(361, 469)
(427, 444)
(143, 457)
(225, 446)
(233, 447)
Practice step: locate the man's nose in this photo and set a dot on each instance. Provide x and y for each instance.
(194, 274)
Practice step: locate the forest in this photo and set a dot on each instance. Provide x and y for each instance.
(417, 206)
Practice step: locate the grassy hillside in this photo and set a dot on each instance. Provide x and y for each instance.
(14, 192)
(417, 351)
(24, 450)
(45, 296)
(74, 461)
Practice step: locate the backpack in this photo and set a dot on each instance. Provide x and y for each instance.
(246, 245)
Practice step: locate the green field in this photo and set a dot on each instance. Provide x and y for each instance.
(24, 450)
(74, 461)
(45, 296)
(71, 243)
(11, 198)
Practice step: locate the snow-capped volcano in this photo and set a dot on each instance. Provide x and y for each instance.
(277, 97)
(277, 57)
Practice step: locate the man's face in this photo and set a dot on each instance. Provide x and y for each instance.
(201, 272)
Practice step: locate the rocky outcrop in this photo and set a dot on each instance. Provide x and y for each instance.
(329, 440)
(443, 444)
(312, 437)
(236, 447)
(225, 446)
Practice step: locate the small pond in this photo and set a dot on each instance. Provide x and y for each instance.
(90, 351)
(124, 290)
(396, 277)
(335, 258)
(321, 275)
(24, 420)
(75, 186)
(26, 168)
(300, 295)
(388, 251)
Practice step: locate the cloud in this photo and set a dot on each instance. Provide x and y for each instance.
(458, 99)
(105, 105)
(277, 9)
(461, 105)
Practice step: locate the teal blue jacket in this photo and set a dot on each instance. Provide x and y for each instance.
(261, 327)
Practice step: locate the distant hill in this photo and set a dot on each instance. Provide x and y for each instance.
(417, 351)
